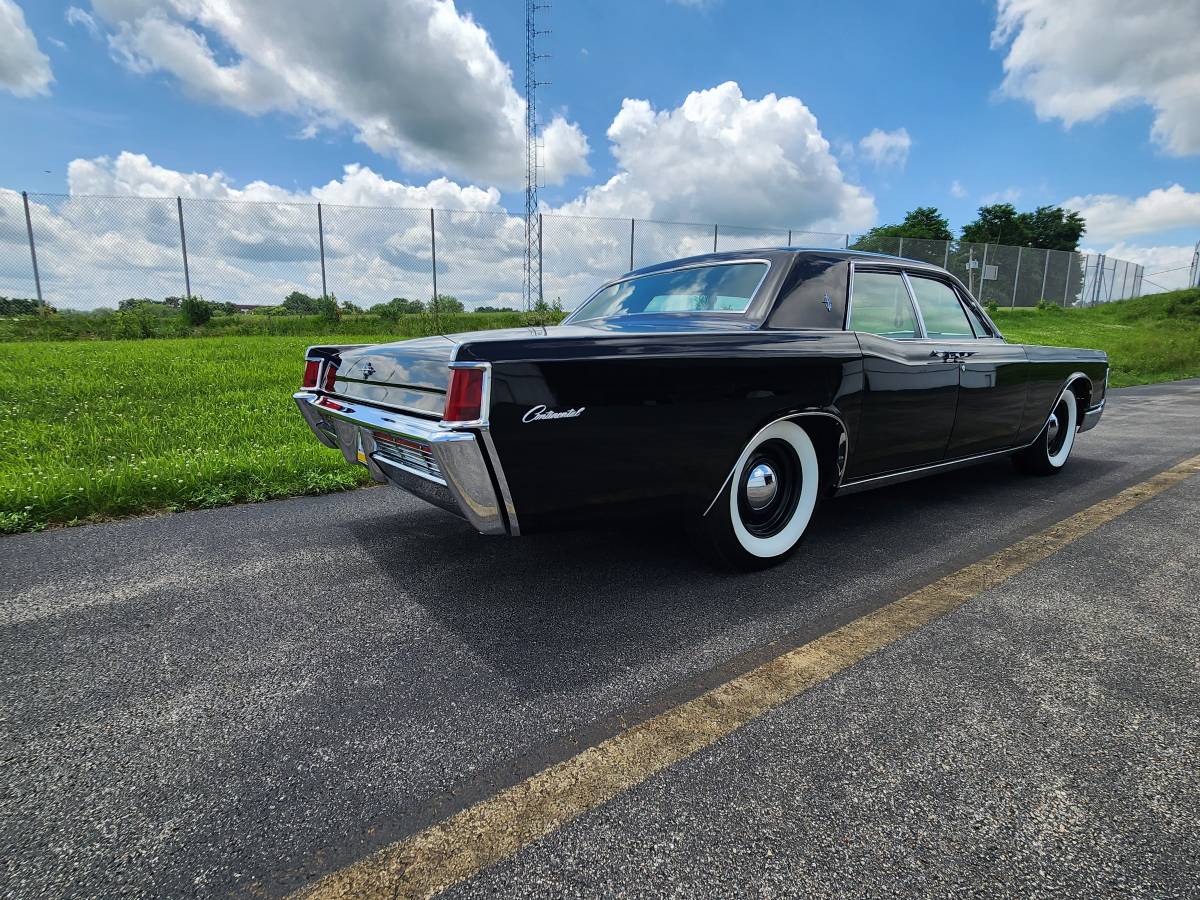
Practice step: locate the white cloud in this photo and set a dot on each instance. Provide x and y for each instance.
(134, 175)
(722, 157)
(886, 148)
(957, 189)
(83, 18)
(415, 79)
(24, 68)
(1076, 60)
(1113, 218)
(1166, 267)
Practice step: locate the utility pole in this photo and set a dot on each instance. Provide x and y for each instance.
(531, 286)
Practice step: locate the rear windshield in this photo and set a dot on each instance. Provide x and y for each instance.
(715, 289)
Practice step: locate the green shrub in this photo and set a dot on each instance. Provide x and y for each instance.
(196, 310)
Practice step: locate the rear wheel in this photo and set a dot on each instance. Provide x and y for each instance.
(1048, 454)
(765, 507)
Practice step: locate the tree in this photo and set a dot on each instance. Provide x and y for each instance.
(301, 304)
(25, 306)
(1053, 228)
(328, 308)
(196, 310)
(397, 307)
(923, 223)
(349, 308)
(1047, 227)
(446, 304)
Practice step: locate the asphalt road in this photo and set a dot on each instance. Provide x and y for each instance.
(238, 700)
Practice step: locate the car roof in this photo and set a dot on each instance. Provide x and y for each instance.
(775, 253)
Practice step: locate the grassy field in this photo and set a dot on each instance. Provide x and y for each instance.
(95, 429)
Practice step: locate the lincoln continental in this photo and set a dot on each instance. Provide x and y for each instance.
(729, 392)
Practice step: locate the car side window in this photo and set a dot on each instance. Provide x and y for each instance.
(941, 310)
(880, 305)
(981, 328)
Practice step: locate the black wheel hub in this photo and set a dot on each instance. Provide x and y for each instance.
(769, 488)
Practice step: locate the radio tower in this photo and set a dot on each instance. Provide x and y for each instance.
(531, 287)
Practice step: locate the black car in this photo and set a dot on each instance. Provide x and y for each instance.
(729, 391)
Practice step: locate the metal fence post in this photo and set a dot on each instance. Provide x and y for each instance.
(632, 224)
(1045, 272)
(37, 278)
(321, 242)
(541, 298)
(982, 274)
(900, 249)
(789, 243)
(1097, 279)
(1016, 279)
(847, 242)
(433, 259)
(187, 277)
(1067, 279)
(715, 227)
(946, 257)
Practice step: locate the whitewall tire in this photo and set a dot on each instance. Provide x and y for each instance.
(1049, 452)
(767, 502)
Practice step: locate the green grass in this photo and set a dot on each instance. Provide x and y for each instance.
(1148, 339)
(108, 428)
(96, 429)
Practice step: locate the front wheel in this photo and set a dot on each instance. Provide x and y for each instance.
(1048, 454)
(764, 508)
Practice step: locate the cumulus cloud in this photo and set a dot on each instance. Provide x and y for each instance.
(1166, 268)
(957, 189)
(886, 148)
(416, 80)
(723, 157)
(1112, 218)
(24, 68)
(1076, 60)
(134, 175)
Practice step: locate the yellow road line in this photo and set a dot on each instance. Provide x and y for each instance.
(487, 832)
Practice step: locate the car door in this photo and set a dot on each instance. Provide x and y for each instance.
(909, 396)
(992, 373)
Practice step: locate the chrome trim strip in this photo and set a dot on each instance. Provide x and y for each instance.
(510, 509)
(571, 320)
(866, 484)
(912, 299)
(813, 412)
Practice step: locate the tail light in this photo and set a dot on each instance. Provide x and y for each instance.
(312, 371)
(464, 403)
(330, 376)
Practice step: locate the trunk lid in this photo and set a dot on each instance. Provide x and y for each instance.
(411, 375)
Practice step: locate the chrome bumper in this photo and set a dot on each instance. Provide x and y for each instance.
(444, 467)
(1092, 416)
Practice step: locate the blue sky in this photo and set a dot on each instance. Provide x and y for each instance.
(932, 69)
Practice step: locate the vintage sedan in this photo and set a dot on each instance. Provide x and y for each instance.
(729, 391)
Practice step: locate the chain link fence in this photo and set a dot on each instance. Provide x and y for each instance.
(84, 252)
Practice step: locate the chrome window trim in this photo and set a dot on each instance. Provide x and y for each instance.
(941, 278)
(843, 441)
(912, 293)
(571, 320)
(886, 269)
(912, 298)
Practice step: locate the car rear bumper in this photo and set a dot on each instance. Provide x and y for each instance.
(1092, 417)
(455, 470)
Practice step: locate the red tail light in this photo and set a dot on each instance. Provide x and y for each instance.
(312, 369)
(330, 375)
(465, 400)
